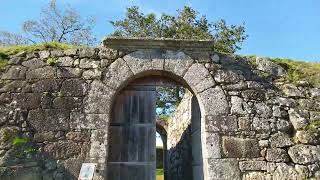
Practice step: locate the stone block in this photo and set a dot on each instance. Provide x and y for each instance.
(34, 63)
(253, 165)
(280, 140)
(144, 60)
(48, 120)
(199, 78)
(46, 85)
(62, 150)
(214, 101)
(46, 72)
(73, 87)
(255, 176)
(68, 103)
(110, 54)
(266, 65)
(15, 72)
(221, 123)
(100, 104)
(89, 63)
(254, 95)
(308, 136)
(177, 62)
(244, 123)
(116, 74)
(240, 148)
(226, 169)
(299, 118)
(237, 105)
(65, 61)
(261, 125)
(91, 74)
(57, 53)
(284, 171)
(15, 86)
(71, 52)
(263, 110)
(227, 76)
(304, 154)
(213, 146)
(292, 91)
(27, 100)
(43, 136)
(67, 72)
(98, 147)
(44, 54)
(277, 155)
(78, 136)
(88, 53)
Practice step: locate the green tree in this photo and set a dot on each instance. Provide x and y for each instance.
(187, 24)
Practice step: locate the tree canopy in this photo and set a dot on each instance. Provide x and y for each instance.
(187, 24)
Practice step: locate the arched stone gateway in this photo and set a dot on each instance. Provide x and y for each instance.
(239, 124)
(167, 63)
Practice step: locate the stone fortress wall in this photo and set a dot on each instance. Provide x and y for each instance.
(54, 116)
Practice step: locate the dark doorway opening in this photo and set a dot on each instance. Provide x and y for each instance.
(135, 121)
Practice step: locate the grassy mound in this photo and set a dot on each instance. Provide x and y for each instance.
(297, 70)
(6, 51)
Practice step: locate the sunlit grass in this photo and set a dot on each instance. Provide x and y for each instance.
(159, 173)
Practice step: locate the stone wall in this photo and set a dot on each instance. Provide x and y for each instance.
(179, 141)
(54, 116)
(43, 105)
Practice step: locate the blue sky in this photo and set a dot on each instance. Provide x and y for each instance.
(276, 28)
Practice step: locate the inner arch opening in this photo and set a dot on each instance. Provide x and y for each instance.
(136, 118)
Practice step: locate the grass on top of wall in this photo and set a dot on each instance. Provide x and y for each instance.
(6, 51)
(297, 70)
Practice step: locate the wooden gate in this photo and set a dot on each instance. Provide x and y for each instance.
(132, 134)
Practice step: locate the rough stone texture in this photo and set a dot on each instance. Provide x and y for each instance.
(15, 72)
(48, 120)
(266, 65)
(221, 123)
(33, 63)
(299, 118)
(177, 62)
(277, 155)
(41, 73)
(66, 72)
(280, 140)
(238, 147)
(117, 72)
(253, 165)
(143, 60)
(304, 154)
(73, 87)
(267, 128)
(200, 84)
(214, 101)
(285, 171)
(219, 167)
(237, 105)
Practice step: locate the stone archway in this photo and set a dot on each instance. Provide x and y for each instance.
(175, 64)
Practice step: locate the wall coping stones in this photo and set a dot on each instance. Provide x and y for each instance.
(130, 43)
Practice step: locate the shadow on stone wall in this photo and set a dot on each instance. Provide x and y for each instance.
(58, 157)
(180, 158)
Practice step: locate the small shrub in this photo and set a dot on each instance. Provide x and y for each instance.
(19, 141)
(51, 61)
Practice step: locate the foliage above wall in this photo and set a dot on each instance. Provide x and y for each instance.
(296, 70)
